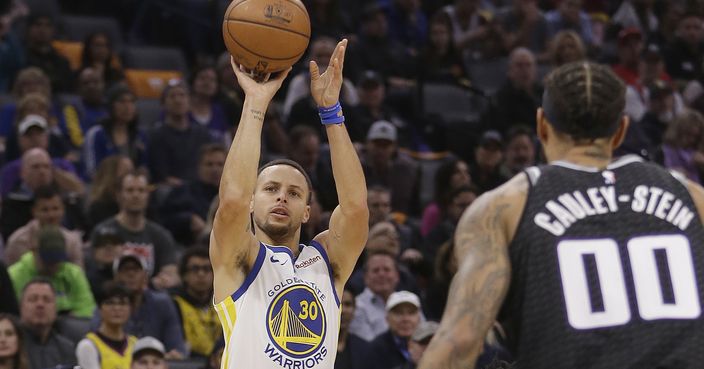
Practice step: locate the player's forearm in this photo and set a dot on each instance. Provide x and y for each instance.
(240, 173)
(347, 171)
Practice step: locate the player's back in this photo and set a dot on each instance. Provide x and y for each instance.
(607, 270)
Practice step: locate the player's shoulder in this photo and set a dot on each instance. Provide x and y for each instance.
(504, 203)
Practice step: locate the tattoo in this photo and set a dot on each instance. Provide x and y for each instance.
(480, 285)
(257, 114)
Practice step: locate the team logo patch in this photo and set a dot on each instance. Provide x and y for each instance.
(296, 321)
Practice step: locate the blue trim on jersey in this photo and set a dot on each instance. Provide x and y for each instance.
(282, 249)
(252, 273)
(322, 251)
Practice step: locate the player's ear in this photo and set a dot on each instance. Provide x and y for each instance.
(251, 204)
(541, 125)
(306, 214)
(620, 134)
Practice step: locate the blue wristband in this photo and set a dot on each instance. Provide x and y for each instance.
(331, 115)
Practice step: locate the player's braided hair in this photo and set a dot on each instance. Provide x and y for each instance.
(584, 100)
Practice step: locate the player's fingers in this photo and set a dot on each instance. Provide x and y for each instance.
(266, 78)
(314, 70)
(341, 58)
(279, 77)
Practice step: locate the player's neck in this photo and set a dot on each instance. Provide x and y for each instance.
(595, 156)
(290, 241)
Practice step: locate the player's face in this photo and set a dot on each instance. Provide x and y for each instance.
(115, 310)
(48, 211)
(280, 201)
(403, 320)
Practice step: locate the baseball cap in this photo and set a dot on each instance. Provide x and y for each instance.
(146, 344)
(32, 120)
(491, 138)
(382, 130)
(129, 255)
(425, 331)
(370, 79)
(402, 297)
(107, 236)
(51, 245)
(629, 33)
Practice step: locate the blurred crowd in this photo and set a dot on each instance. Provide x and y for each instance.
(107, 204)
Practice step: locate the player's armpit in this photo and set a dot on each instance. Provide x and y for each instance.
(480, 285)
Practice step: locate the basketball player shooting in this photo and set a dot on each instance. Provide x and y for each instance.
(604, 258)
(278, 301)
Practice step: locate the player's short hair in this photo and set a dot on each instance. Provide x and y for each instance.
(296, 166)
(584, 100)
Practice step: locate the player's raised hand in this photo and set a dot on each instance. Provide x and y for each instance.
(264, 90)
(325, 87)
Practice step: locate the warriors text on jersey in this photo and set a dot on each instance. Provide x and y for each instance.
(607, 270)
(285, 315)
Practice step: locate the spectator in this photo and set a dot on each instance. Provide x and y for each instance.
(116, 134)
(37, 171)
(520, 151)
(102, 200)
(141, 235)
(521, 92)
(684, 56)
(372, 107)
(451, 175)
(12, 348)
(630, 50)
(566, 47)
(7, 293)
(109, 346)
(381, 276)
(103, 251)
(185, 208)
(379, 204)
(326, 18)
(299, 88)
(194, 303)
(407, 24)
(488, 156)
(99, 55)
(50, 259)
(637, 14)
(644, 137)
(384, 165)
(569, 16)
(215, 357)
(149, 353)
(524, 25)
(419, 342)
(681, 147)
(206, 108)
(11, 50)
(444, 269)
(33, 133)
(92, 107)
(46, 348)
(440, 61)
(459, 199)
(47, 210)
(352, 351)
(231, 94)
(467, 27)
(305, 150)
(40, 52)
(153, 313)
(390, 349)
(174, 145)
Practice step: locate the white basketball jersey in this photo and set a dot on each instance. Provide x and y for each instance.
(285, 315)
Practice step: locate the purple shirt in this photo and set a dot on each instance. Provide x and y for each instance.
(10, 173)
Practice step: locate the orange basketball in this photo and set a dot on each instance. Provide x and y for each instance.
(266, 36)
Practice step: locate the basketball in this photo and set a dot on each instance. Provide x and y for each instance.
(266, 36)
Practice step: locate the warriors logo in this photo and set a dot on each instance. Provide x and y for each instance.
(296, 321)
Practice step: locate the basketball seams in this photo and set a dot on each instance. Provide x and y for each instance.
(256, 54)
(268, 26)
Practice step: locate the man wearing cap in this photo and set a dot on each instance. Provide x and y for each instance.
(383, 165)
(104, 248)
(149, 353)
(684, 56)
(488, 156)
(419, 342)
(390, 349)
(153, 312)
(371, 89)
(49, 259)
(175, 143)
(47, 209)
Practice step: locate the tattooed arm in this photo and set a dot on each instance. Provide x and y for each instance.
(480, 285)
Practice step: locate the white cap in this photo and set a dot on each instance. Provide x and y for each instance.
(148, 343)
(382, 130)
(32, 120)
(129, 254)
(401, 297)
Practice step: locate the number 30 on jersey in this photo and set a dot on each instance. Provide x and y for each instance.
(611, 281)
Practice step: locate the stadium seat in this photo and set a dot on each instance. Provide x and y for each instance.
(77, 28)
(73, 328)
(71, 50)
(454, 104)
(488, 75)
(186, 364)
(150, 83)
(148, 112)
(154, 58)
(429, 163)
